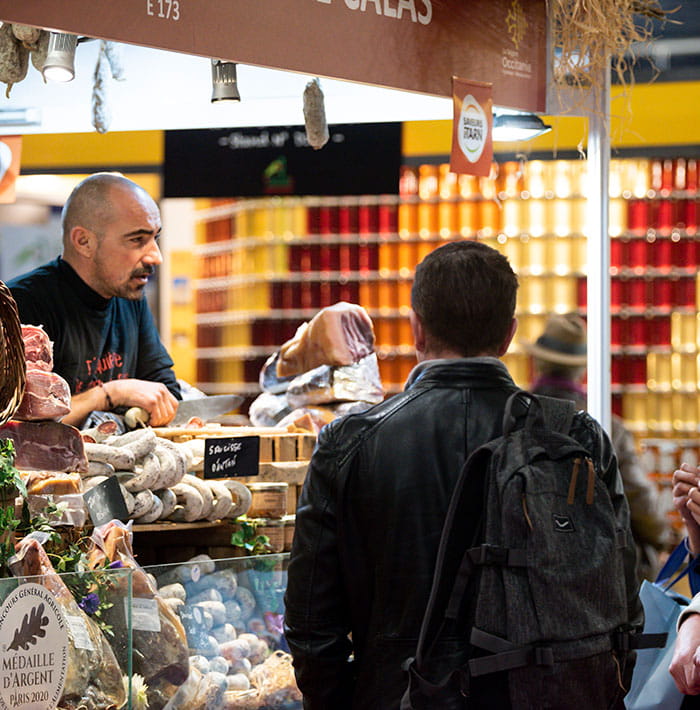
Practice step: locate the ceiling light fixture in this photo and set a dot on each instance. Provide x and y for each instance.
(20, 117)
(224, 84)
(60, 57)
(517, 127)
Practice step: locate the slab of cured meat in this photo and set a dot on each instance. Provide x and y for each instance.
(93, 677)
(341, 334)
(46, 446)
(46, 396)
(38, 349)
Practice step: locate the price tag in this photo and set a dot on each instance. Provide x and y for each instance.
(232, 456)
(105, 502)
(81, 636)
(144, 614)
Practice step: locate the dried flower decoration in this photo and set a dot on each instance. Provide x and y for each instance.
(588, 36)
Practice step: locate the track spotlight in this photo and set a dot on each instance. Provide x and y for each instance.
(60, 57)
(224, 84)
(518, 127)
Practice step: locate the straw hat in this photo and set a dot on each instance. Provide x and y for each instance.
(563, 341)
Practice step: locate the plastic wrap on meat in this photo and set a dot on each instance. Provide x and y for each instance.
(93, 677)
(269, 380)
(44, 483)
(338, 335)
(353, 383)
(46, 446)
(160, 656)
(38, 349)
(267, 409)
(46, 396)
(314, 417)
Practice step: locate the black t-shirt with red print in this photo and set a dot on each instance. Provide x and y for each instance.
(94, 338)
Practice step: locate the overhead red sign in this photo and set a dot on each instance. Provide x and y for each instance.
(472, 137)
(416, 45)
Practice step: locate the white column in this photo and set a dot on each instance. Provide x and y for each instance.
(599, 255)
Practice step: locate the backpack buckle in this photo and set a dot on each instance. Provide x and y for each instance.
(543, 656)
(489, 555)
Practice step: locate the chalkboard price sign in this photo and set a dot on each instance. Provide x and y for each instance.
(105, 502)
(231, 456)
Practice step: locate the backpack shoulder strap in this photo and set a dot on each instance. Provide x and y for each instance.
(558, 413)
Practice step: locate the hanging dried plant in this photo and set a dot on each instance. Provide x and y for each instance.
(590, 35)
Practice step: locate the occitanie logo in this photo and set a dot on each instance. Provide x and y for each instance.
(516, 23)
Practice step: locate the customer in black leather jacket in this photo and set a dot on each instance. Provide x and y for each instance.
(372, 508)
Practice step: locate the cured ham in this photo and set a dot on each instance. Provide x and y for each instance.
(341, 334)
(160, 652)
(46, 396)
(93, 677)
(46, 446)
(38, 349)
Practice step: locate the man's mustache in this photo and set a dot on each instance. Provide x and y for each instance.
(146, 271)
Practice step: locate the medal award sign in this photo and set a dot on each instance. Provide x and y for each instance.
(472, 138)
(33, 649)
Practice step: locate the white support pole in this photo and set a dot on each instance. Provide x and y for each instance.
(598, 252)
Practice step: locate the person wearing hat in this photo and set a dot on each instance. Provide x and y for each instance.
(559, 360)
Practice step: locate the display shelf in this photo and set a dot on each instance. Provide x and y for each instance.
(268, 265)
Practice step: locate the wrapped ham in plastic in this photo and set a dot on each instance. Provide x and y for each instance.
(93, 677)
(46, 396)
(160, 651)
(341, 334)
(38, 349)
(57, 483)
(359, 382)
(46, 446)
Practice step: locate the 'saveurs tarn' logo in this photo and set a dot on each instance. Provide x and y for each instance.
(472, 129)
(516, 23)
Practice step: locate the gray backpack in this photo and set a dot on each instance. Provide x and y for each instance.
(540, 594)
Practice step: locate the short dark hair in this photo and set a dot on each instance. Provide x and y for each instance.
(464, 295)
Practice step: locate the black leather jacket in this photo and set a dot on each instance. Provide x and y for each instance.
(369, 522)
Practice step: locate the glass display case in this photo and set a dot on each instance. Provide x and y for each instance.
(200, 634)
(232, 612)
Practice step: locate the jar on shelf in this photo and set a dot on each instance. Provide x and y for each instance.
(658, 371)
(513, 217)
(535, 256)
(535, 183)
(269, 500)
(289, 522)
(509, 182)
(562, 293)
(684, 330)
(638, 216)
(634, 410)
(468, 217)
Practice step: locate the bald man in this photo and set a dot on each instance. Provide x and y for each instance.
(91, 302)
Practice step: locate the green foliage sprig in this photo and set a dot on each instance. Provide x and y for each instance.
(90, 587)
(9, 475)
(247, 537)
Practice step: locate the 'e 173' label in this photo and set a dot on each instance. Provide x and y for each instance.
(164, 9)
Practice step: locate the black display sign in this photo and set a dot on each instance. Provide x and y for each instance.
(105, 502)
(229, 457)
(359, 159)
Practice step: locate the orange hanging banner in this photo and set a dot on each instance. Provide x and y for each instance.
(10, 152)
(472, 137)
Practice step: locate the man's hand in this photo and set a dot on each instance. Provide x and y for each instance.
(154, 397)
(686, 500)
(685, 666)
